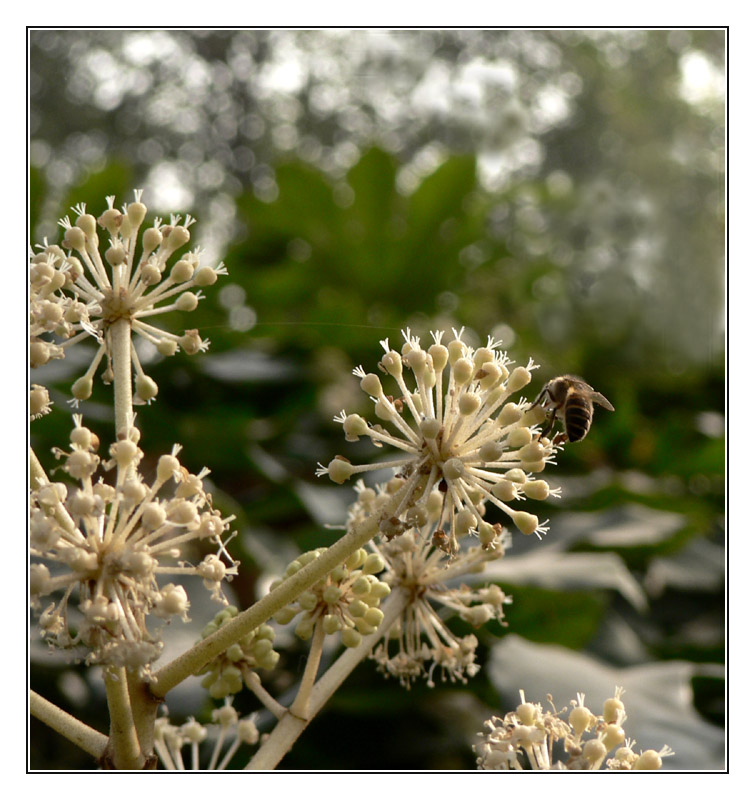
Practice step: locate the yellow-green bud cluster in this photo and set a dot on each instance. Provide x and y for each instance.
(346, 601)
(227, 673)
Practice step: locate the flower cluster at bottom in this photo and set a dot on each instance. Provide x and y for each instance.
(171, 739)
(525, 739)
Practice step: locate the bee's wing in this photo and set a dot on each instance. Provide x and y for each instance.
(598, 398)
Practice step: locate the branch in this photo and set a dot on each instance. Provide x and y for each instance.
(290, 727)
(88, 739)
(194, 659)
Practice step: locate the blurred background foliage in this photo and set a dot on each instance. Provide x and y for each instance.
(562, 190)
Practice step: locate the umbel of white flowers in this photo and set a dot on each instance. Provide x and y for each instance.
(527, 737)
(110, 545)
(465, 441)
(79, 293)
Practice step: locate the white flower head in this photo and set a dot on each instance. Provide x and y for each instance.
(526, 739)
(420, 643)
(465, 440)
(80, 292)
(111, 546)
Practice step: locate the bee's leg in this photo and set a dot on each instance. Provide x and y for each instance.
(549, 426)
(537, 400)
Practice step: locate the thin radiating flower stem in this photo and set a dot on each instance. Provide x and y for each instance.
(254, 684)
(290, 727)
(300, 706)
(88, 739)
(190, 662)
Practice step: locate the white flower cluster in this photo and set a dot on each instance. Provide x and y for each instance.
(461, 434)
(419, 642)
(525, 739)
(170, 740)
(109, 544)
(83, 295)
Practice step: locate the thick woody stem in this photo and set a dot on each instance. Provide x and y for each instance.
(123, 750)
(120, 344)
(300, 706)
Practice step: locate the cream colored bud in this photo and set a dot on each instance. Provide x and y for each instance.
(392, 364)
(515, 475)
(152, 239)
(167, 465)
(74, 239)
(650, 759)
(519, 437)
(340, 470)
(469, 403)
(536, 490)
(613, 735)
(167, 347)
(581, 719)
(430, 428)
(439, 355)
(188, 301)
(510, 415)
(527, 523)
(136, 213)
(491, 451)
(504, 490)
(146, 388)
(351, 637)
(463, 370)
(205, 276)
(371, 385)
(182, 271)
(533, 451)
(518, 379)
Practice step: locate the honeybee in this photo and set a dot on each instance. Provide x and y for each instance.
(571, 400)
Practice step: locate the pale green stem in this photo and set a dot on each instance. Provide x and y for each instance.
(123, 750)
(254, 684)
(120, 349)
(290, 727)
(88, 739)
(300, 706)
(194, 659)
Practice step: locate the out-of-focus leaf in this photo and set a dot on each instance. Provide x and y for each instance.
(658, 699)
(552, 568)
(630, 525)
(699, 567)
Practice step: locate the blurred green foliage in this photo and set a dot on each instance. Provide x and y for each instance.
(330, 265)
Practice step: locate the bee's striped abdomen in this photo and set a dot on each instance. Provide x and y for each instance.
(577, 417)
